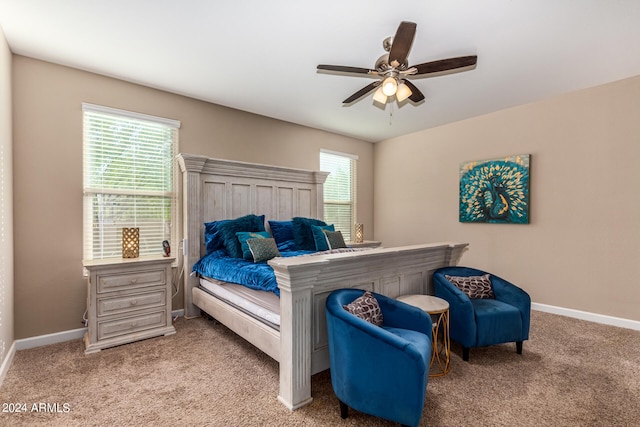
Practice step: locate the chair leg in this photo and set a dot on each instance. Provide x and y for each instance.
(344, 410)
(465, 354)
(519, 347)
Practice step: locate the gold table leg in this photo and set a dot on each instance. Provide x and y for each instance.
(441, 356)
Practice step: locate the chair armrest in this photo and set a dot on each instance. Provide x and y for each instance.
(513, 295)
(458, 300)
(398, 314)
(461, 314)
(510, 293)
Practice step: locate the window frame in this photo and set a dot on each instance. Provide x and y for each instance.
(89, 191)
(353, 161)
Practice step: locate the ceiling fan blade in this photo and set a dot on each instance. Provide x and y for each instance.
(402, 43)
(343, 69)
(445, 64)
(362, 92)
(416, 95)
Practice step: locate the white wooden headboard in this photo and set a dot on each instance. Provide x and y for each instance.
(215, 189)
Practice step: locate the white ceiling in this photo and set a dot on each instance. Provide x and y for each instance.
(261, 56)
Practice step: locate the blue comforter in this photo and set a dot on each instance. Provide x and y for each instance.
(255, 275)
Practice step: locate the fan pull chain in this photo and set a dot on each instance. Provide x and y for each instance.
(391, 115)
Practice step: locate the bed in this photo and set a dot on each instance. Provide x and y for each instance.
(216, 189)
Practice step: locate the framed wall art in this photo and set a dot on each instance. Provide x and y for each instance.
(496, 190)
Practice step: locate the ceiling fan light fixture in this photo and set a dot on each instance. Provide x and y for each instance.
(389, 86)
(403, 92)
(379, 96)
(394, 70)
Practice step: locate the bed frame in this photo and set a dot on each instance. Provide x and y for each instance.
(217, 189)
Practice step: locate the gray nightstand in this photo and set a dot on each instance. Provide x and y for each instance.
(127, 300)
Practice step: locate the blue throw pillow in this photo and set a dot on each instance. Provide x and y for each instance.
(243, 236)
(282, 232)
(302, 234)
(319, 237)
(212, 237)
(289, 245)
(229, 229)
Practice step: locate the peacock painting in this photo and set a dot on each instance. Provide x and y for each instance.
(495, 191)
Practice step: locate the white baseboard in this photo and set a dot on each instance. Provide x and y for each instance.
(63, 336)
(6, 363)
(591, 317)
(39, 341)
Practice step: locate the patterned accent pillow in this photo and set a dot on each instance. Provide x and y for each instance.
(263, 249)
(334, 239)
(243, 236)
(476, 287)
(366, 307)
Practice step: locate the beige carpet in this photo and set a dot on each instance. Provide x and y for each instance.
(572, 373)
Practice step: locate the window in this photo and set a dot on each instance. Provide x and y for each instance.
(129, 180)
(339, 190)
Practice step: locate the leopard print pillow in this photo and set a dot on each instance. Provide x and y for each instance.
(476, 287)
(366, 307)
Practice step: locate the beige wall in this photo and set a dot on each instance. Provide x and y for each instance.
(49, 287)
(576, 253)
(581, 248)
(6, 203)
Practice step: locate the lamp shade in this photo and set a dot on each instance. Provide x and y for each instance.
(389, 86)
(379, 96)
(130, 242)
(403, 92)
(359, 232)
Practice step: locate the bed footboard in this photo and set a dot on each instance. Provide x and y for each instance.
(305, 283)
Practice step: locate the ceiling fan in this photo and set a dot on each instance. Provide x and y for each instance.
(394, 71)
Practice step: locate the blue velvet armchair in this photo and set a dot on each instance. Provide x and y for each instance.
(484, 322)
(379, 370)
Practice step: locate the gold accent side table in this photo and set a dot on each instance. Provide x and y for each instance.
(434, 306)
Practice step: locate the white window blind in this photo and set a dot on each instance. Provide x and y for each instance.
(129, 180)
(339, 191)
